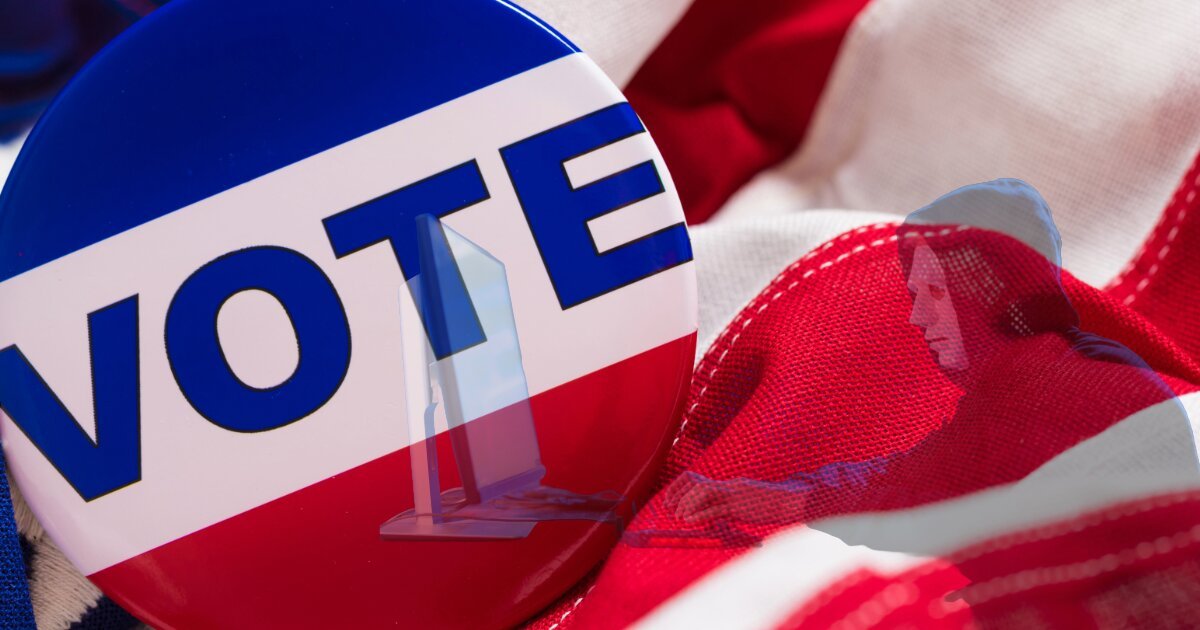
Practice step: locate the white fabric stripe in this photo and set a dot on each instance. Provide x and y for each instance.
(618, 34)
(1145, 454)
(60, 595)
(193, 472)
(1090, 102)
(8, 155)
(761, 588)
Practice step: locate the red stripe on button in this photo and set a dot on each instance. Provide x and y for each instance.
(314, 559)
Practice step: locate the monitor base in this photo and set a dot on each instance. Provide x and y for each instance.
(505, 517)
(413, 527)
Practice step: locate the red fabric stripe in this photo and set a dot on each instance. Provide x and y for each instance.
(732, 88)
(1162, 282)
(313, 559)
(823, 367)
(1131, 565)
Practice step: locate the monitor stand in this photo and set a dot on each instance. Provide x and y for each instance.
(506, 517)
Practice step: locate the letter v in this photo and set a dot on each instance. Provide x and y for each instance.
(113, 461)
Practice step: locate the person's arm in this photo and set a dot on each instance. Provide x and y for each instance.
(845, 475)
(696, 498)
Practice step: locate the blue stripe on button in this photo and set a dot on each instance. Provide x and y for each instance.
(204, 95)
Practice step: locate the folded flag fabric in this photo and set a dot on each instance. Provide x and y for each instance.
(824, 447)
(1025, 517)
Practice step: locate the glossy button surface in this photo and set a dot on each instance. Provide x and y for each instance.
(340, 314)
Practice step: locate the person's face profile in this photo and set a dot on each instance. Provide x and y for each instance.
(933, 309)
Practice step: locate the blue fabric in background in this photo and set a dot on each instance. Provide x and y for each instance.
(42, 43)
(15, 609)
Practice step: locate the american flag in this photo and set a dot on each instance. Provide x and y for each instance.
(831, 468)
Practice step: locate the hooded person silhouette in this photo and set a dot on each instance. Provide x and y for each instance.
(982, 266)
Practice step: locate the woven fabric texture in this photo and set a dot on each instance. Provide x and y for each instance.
(826, 365)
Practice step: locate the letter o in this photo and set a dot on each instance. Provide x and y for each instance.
(199, 364)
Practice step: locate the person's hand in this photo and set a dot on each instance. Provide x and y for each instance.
(694, 498)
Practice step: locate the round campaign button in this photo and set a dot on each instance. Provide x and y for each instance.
(340, 314)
